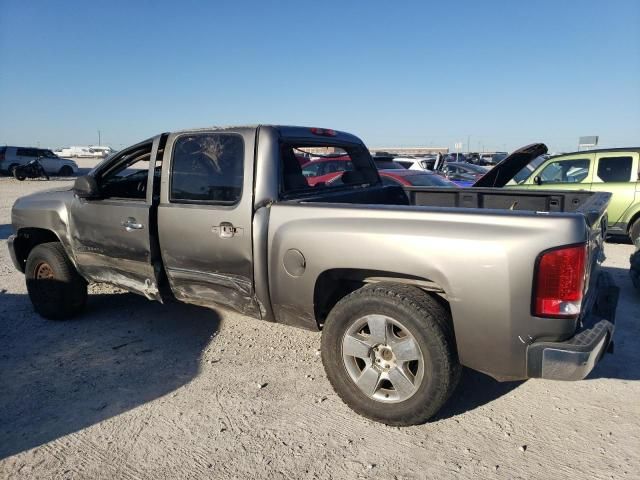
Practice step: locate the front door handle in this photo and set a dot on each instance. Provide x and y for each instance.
(132, 224)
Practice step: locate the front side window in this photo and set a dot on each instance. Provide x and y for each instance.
(615, 169)
(207, 168)
(128, 176)
(565, 171)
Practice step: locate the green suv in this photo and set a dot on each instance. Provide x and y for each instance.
(614, 170)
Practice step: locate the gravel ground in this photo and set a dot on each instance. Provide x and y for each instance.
(134, 389)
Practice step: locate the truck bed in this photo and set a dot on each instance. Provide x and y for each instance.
(590, 204)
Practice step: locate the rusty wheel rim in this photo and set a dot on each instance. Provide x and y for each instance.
(44, 271)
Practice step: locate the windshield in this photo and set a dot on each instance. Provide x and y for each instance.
(526, 172)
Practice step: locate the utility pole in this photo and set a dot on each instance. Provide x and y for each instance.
(468, 143)
(99, 139)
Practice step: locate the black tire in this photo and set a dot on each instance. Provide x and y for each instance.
(634, 231)
(12, 168)
(55, 288)
(65, 171)
(428, 321)
(634, 269)
(18, 175)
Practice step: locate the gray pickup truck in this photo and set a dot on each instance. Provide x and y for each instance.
(406, 284)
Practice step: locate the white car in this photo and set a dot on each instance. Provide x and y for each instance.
(415, 163)
(95, 151)
(11, 157)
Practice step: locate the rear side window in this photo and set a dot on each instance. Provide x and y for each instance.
(615, 169)
(27, 152)
(207, 168)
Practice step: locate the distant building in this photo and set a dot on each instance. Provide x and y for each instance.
(400, 151)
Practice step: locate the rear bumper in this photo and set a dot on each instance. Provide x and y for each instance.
(574, 358)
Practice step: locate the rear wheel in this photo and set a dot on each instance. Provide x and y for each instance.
(12, 168)
(66, 171)
(55, 288)
(18, 175)
(389, 352)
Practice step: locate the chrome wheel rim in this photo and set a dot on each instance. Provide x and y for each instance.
(383, 358)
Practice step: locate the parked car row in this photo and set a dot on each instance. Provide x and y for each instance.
(607, 170)
(13, 157)
(615, 170)
(91, 151)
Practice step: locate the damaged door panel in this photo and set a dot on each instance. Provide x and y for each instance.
(112, 235)
(204, 218)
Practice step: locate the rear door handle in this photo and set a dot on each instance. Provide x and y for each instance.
(132, 224)
(227, 230)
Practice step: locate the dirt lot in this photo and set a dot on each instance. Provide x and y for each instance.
(134, 389)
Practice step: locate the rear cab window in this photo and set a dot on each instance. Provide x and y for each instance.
(329, 166)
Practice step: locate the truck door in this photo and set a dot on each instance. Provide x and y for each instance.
(205, 215)
(113, 238)
(616, 172)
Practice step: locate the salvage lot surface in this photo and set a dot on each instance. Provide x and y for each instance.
(134, 389)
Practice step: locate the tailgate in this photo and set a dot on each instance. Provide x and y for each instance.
(595, 213)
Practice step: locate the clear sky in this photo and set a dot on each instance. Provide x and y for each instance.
(502, 73)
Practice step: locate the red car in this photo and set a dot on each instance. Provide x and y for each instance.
(417, 178)
(323, 170)
(406, 178)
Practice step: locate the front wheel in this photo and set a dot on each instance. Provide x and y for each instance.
(55, 288)
(389, 353)
(18, 175)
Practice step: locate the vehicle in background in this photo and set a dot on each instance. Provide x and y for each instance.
(326, 168)
(407, 178)
(455, 157)
(419, 163)
(384, 161)
(488, 159)
(95, 151)
(462, 174)
(11, 157)
(33, 169)
(526, 172)
(101, 151)
(473, 157)
(615, 170)
(226, 218)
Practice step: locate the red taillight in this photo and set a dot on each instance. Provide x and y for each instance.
(560, 282)
(325, 132)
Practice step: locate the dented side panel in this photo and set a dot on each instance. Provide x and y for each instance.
(206, 263)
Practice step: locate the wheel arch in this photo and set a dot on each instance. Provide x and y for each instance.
(27, 239)
(334, 284)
